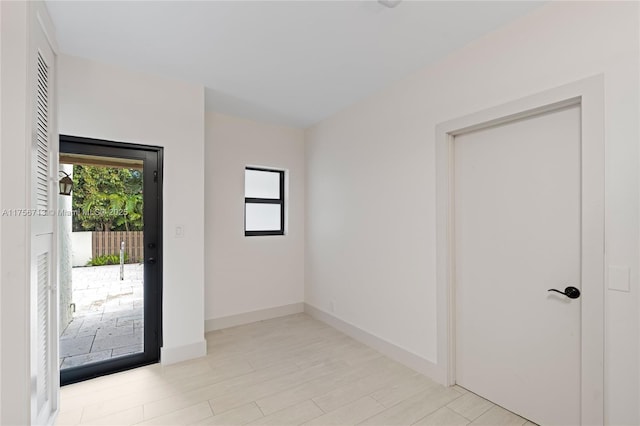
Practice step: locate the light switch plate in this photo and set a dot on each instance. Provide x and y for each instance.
(179, 231)
(619, 278)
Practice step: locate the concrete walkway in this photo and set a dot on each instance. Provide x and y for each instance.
(108, 318)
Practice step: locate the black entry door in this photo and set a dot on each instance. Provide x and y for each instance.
(113, 252)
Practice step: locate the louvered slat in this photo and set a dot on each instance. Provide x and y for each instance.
(42, 69)
(42, 135)
(43, 313)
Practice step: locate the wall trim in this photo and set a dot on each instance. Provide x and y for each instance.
(253, 316)
(393, 351)
(183, 353)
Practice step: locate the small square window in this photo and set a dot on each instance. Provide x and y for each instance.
(263, 202)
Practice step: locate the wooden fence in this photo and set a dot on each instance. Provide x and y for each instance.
(104, 243)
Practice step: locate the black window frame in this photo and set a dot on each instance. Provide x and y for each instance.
(280, 201)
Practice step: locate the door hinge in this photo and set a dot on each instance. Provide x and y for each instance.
(155, 175)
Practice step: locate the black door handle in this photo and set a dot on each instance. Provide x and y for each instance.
(151, 260)
(570, 292)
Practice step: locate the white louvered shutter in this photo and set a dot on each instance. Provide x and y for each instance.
(42, 135)
(42, 382)
(44, 298)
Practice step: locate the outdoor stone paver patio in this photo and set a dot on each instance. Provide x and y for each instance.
(108, 319)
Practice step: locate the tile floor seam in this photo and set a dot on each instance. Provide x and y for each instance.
(255, 371)
(375, 414)
(206, 386)
(217, 383)
(256, 404)
(347, 403)
(404, 399)
(82, 416)
(328, 373)
(294, 385)
(211, 406)
(313, 418)
(144, 419)
(447, 408)
(470, 420)
(439, 408)
(319, 408)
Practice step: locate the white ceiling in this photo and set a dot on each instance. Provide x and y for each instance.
(288, 62)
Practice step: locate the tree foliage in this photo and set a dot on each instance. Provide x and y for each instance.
(107, 199)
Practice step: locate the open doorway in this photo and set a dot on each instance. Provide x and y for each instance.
(110, 258)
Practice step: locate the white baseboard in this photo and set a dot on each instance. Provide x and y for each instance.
(253, 316)
(383, 346)
(183, 353)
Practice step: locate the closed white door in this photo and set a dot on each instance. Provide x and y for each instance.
(517, 234)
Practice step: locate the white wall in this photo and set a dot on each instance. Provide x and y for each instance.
(67, 247)
(14, 245)
(1, 205)
(247, 274)
(81, 243)
(371, 178)
(107, 102)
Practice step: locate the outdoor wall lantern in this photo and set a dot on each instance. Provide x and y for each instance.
(66, 184)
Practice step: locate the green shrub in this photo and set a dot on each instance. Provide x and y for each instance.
(107, 259)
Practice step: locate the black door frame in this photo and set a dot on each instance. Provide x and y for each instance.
(152, 157)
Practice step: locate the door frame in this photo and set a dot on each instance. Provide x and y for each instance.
(153, 282)
(589, 94)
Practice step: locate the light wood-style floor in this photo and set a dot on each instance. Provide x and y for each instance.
(286, 371)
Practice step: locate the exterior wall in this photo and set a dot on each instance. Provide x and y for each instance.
(81, 248)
